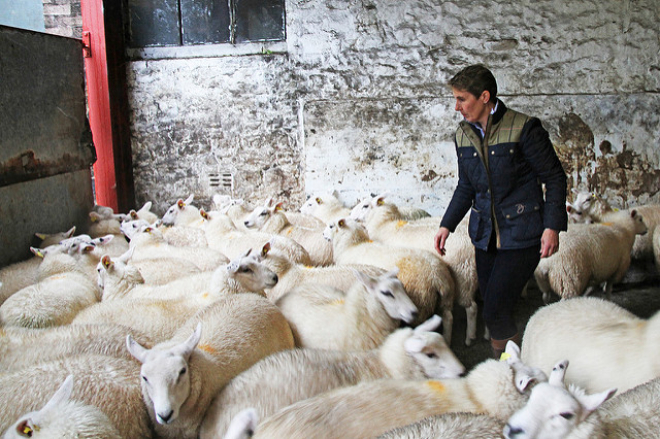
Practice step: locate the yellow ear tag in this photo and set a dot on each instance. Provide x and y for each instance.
(505, 356)
(380, 202)
(318, 200)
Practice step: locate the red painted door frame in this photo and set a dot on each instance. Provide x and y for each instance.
(105, 72)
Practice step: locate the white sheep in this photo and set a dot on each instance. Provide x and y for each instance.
(64, 289)
(385, 222)
(149, 242)
(296, 218)
(180, 377)
(236, 209)
(23, 347)
(293, 375)
(274, 220)
(587, 207)
(244, 273)
(144, 213)
(181, 225)
(643, 248)
(326, 206)
(63, 418)
(427, 279)
(555, 411)
(365, 410)
(182, 213)
(362, 208)
(606, 345)
(223, 235)
(323, 317)
(449, 426)
(108, 383)
(18, 275)
(291, 274)
(590, 255)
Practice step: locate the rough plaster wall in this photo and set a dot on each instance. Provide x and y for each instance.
(359, 102)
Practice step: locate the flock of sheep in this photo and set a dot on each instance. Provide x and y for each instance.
(318, 322)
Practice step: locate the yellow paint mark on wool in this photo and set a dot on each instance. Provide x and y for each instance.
(207, 348)
(400, 224)
(309, 266)
(337, 302)
(205, 295)
(436, 386)
(288, 232)
(607, 224)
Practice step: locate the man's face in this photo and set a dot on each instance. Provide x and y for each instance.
(472, 108)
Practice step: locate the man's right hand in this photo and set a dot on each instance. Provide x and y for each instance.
(440, 239)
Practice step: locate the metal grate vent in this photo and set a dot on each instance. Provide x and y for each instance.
(221, 180)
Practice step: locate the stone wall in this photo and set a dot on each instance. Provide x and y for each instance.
(359, 103)
(63, 17)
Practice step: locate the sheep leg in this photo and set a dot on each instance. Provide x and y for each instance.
(471, 332)
(447, 323)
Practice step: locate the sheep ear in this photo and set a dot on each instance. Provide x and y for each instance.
(513, 352)
(243, 424)
(431, 324)
(106, 261)
(414, 344)
(341, 223)
(180, 203)
(204, 214)
(69, 233)
(279, 206)
(126, 256)
(37, 252)
(575, 191)
(593, 401)
(187, 347)
(104, 239)
(190, 199)
(569, 208)
(633, 213)
(265, 249)
(133, 214)
(380, 201)
(61, 396)
(94, 217)
(393, 272)
(87, 248)
(557, 374)
(136, 349)
(318, 200)
(366, 280)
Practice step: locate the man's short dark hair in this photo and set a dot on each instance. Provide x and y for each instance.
(475, 79)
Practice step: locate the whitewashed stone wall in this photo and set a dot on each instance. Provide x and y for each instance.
(359, 102)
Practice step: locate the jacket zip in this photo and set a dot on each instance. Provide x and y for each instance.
(490, 183)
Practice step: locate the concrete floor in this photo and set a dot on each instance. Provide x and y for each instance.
(639, 292)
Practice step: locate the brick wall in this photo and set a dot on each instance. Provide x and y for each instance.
(63, 17)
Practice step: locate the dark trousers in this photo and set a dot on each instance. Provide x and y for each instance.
(502, 276)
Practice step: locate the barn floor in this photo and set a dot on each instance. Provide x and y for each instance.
(639, 293)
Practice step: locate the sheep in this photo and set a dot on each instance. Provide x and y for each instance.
(589, 255)
(160, 271)
(293, 375)
(385, 222)
(656, 246)
(449, 426)
(361, 210)
(160, 317)
(144, 213)
(107, 383)
(607, 345)
(103, 226)
(223, 235)
(326, 207)
(426, 278)
(555, 411)
(299, 219)
(643, 247)
(236, 209)
(245, 273)
(23, 347)
(180, 377)
(587, 207)
(63, 291)
(243, 425)
(323, 317)
(273, 220)
(21, 274)
(291, 274)
(63, 418)
(149, 242)
(365, 410)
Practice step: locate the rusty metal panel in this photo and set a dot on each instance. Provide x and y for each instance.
(43, 124)
(46, 148)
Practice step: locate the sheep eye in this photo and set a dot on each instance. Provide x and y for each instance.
(145, 379)
(567, 416)
(431, 355)
(387, 293)
(263, 213)
(246, 270)
(182, 371)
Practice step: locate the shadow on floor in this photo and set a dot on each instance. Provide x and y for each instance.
(639, 293)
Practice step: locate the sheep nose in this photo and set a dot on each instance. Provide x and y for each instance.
(510, 431)
(167, 417)
(413, 315)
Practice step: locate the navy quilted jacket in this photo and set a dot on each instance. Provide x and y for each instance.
(499, 180)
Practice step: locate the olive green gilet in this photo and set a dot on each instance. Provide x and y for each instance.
(507, 130)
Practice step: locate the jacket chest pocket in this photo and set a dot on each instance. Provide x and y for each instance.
(502, 159)
(471, 164)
